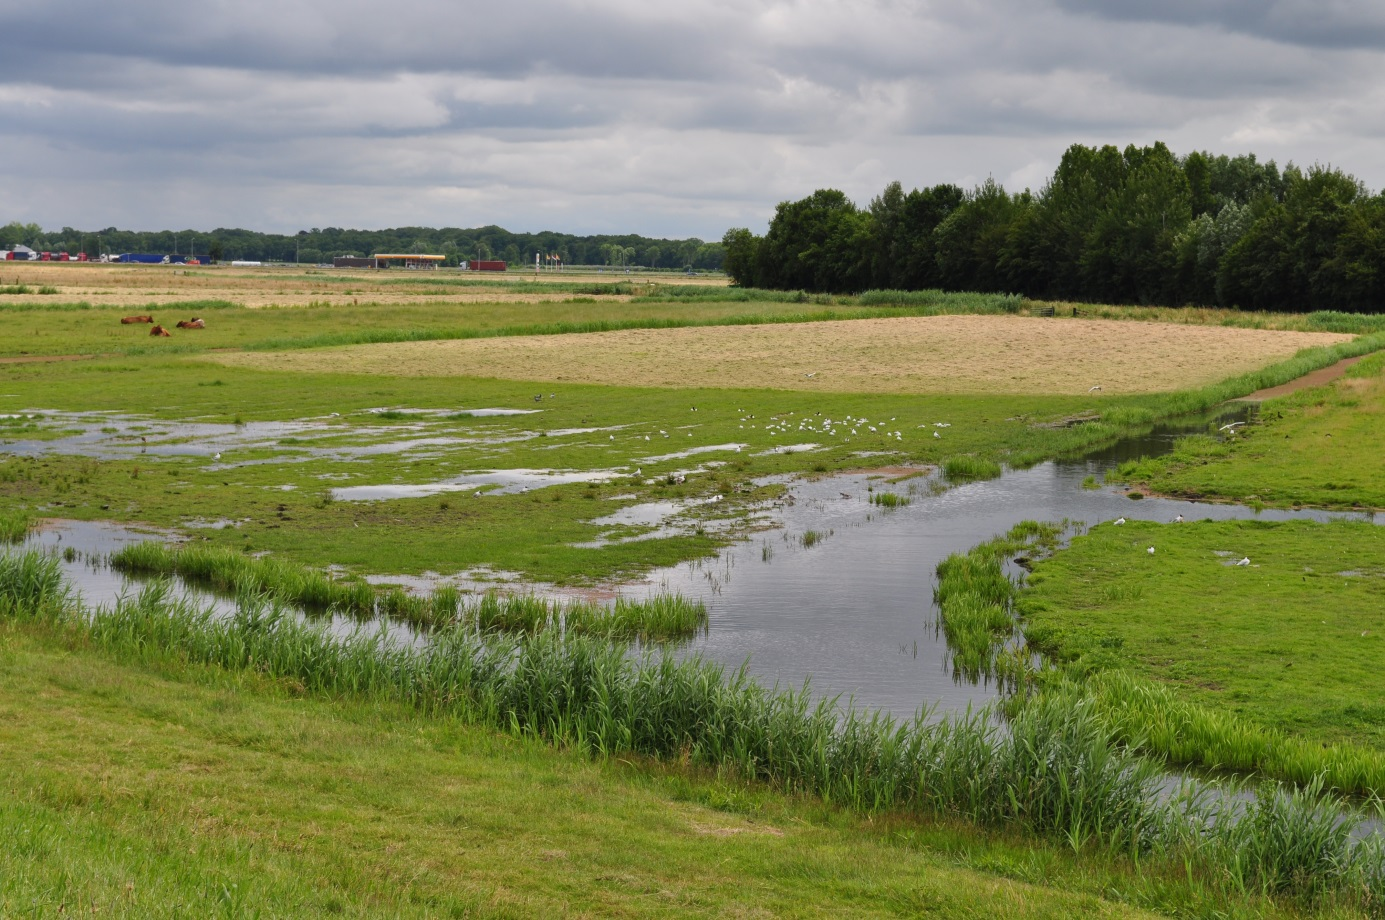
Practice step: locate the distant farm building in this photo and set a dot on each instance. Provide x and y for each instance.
(388, 260)
(484, 265)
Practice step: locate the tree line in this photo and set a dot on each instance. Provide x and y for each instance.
(1138, 226)
(321, 245)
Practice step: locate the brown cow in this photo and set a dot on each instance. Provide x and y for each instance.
(131, 320)
(160, 330)
(193, 323)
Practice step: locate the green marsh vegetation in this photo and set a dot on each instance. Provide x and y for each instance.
(1055, 776)
(492, 823)
(975, 598)
(274, 500)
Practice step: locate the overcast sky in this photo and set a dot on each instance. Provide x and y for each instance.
(666, 119)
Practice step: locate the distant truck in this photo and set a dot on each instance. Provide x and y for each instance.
(484, 265)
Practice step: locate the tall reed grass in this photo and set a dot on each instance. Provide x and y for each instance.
(15, 524)
(1055, 770)
(231, 572)
(1148, 715)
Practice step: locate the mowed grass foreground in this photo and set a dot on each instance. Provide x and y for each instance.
(166, 790)
(1065, 783)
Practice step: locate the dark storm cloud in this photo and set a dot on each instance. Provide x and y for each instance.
(1316, 23)
(683, 118)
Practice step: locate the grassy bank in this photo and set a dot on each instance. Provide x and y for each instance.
(162, 789)
(1271, 666)
(1318, 447)
(1054, 775)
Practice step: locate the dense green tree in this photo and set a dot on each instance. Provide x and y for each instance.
(971, 239)
(819, 243)
(741, 248)
(1130, 255)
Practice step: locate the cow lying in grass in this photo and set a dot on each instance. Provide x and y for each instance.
(160, 330)
(131, 320)
(194, 323)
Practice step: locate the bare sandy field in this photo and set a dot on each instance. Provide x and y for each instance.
(942, 354)
(133, 285)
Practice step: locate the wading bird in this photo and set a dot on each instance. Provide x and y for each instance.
(1150, 551)
(1244, 561)
(1119, 521)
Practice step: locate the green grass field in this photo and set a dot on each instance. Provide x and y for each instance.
(1289, 645)
(1273, 666)
(1318, 448)
(142, 785)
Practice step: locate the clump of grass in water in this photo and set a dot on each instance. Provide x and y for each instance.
(967, 468)
(890, 500)
(1054, 771)
(812, 538)
(1090, 483)
(975, 597)
(15, 525)
(667, 616)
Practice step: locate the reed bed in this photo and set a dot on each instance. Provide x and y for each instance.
(661, 617)
(890, 500)
(945, 301)
(15, 524)
(1055, 770)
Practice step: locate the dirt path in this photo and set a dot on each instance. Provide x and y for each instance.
(1315, 379)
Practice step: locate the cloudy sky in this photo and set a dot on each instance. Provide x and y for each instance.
(667, 119)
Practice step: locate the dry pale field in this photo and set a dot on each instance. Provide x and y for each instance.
(942, 354)
(133, 285)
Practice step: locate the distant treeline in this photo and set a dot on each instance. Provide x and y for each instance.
(311, 246)
(1140, 226)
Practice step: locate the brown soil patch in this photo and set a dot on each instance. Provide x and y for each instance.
(1315, 379)
(32, 359)
(939, 354)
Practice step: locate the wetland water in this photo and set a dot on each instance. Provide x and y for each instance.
(854, 611)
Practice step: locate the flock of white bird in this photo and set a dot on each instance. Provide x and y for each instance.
(846, 427)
